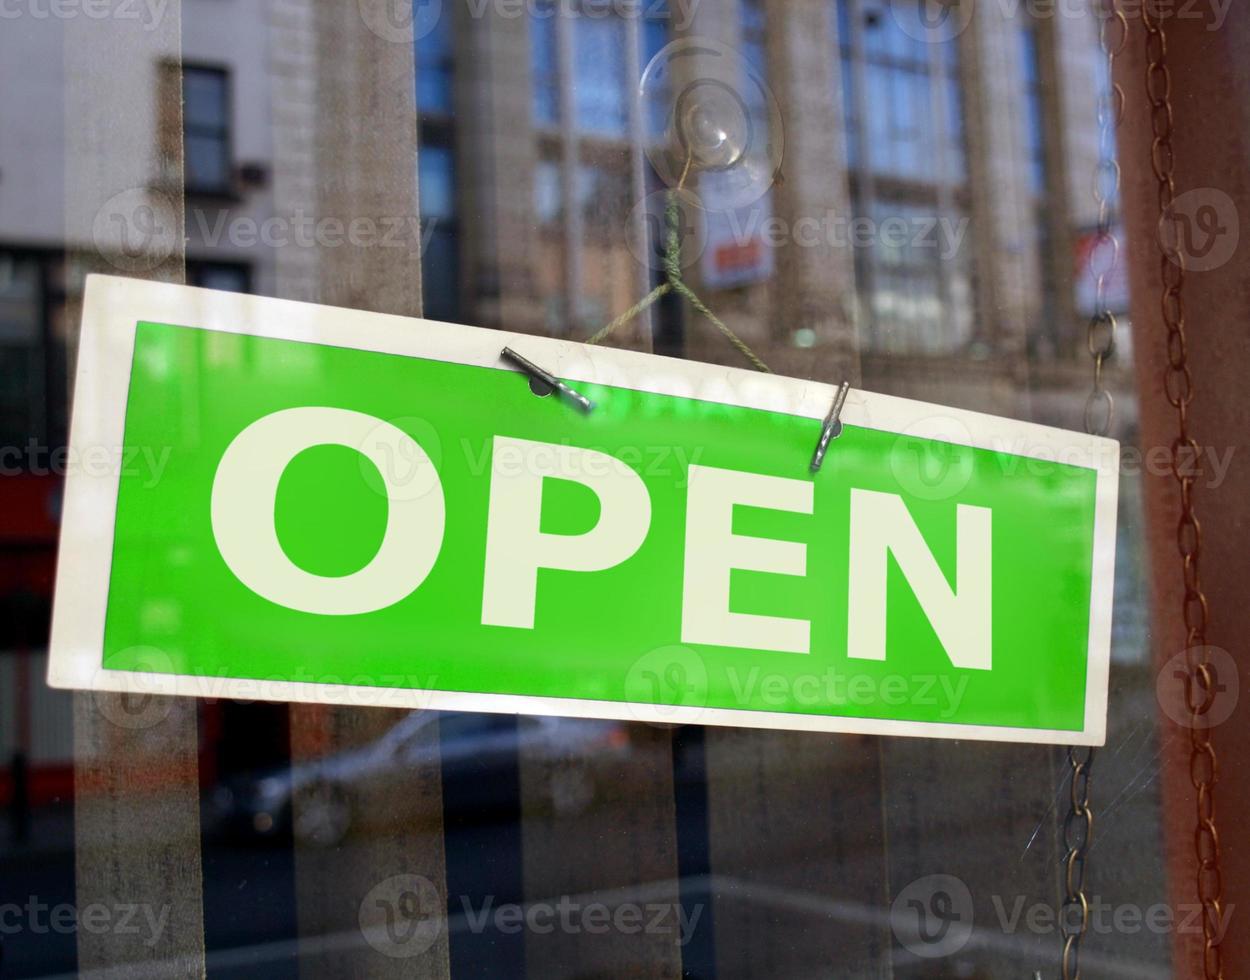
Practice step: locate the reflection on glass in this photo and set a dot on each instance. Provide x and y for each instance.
(599, 87)
(547, 193)
(529, 167)
(206, 122)
(545, 61)
(435, 59)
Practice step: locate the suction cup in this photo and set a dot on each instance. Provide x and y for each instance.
(713, 126)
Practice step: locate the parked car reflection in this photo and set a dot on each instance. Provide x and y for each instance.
(317, 801)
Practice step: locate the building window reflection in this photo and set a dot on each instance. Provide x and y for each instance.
(436, 67)
(654, 37)
(545, 65)
(436, 171)
(600, 88)
(1044, 312)
(548, 205)
(908, 178)
(32, 355)
(206, 129)
(439, 261)
(602, 192)
(754, 34)
(234, 277)
(585, 58)
(1032, 105)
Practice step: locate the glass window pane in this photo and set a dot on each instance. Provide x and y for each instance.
(21, 350)
(207, 162)
(548, 197)
(955, 158)
(434, 58)
(850, 115)
(529, 177)
(544, 62)
(204, 94)
(654, 36)
(219, 275)
(1031, 106)
(599, 87)
(436, 182)
(601, 194)
(440, 266)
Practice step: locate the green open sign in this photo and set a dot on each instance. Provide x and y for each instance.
(368, 509)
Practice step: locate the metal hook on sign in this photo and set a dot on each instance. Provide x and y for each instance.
(550, 381)
(832, 427)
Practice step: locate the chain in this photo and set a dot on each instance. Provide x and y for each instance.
(1178, 387)
(1100, 334)
(1078, 834)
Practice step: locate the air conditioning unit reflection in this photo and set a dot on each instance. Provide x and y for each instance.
(251, 175)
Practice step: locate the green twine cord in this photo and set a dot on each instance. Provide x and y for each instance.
(632, 312)
(675, 283)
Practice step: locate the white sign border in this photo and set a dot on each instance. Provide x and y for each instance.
(113, 306)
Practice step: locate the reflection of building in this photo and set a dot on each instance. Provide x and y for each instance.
(935, 195)
(45, 247)
(921, 240)
(958, 209)
(923, 213)
(931, 224)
